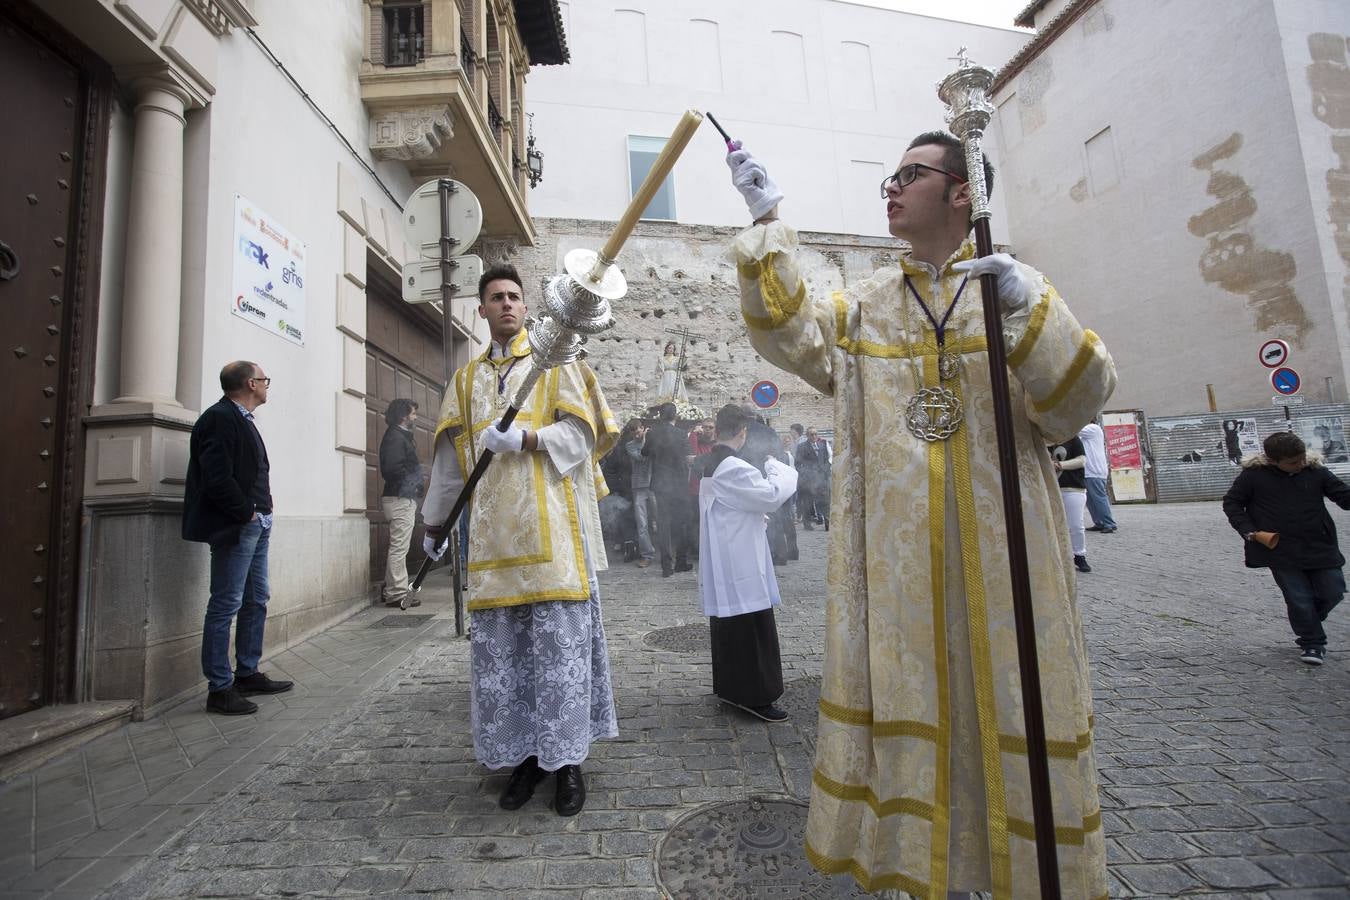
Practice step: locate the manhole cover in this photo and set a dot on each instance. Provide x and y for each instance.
(405, 621)
(743, 849)
(801, 700)
(681, 638)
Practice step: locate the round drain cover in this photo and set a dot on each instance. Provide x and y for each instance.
(746, 849)
(680, 638)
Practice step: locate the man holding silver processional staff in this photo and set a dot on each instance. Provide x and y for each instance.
(921, 777)
(539, 669)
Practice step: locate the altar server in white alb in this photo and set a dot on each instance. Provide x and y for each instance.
(735, 572)
(921, 782)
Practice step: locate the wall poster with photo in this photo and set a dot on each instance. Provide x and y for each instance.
(1240, 440)
(1324, 435)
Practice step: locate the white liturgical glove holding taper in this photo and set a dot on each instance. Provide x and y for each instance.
(760, 193)
(1014, 287)
(508, 441)
(429, 547)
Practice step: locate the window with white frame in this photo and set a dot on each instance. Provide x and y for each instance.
(642, 153)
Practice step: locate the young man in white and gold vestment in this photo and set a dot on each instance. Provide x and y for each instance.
(539, 669)
(921, 780)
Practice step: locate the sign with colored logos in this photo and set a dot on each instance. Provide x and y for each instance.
(268, 273)
(764, 394)
(1285, 381)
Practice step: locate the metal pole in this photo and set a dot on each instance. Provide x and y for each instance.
(445, 188)
(964, 92)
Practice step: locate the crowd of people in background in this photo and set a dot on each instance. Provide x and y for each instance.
(647, 516)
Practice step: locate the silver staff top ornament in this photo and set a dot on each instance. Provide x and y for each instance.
(966, 94)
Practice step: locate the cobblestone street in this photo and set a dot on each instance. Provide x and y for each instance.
(1225, 762)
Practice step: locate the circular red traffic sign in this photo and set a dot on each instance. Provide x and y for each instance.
(764, 394)
(1274, 354)
(1285, 381)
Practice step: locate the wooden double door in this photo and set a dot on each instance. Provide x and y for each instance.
(55, 97)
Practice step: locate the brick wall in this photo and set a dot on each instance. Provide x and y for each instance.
(678, 277)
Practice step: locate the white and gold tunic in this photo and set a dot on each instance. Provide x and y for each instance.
(529, 511)
(921, 780)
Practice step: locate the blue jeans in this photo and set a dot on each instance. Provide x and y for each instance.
(238, 587)
(1309, 594)
(1099, 507)
(644, 504)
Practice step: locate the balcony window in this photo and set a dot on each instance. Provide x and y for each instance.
(404, 35)
(642, 153)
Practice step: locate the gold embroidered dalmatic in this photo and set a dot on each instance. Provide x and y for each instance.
(526, 518)
(921, 779)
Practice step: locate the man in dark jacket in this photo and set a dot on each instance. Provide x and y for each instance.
(1277, 504)
(667, 447)
(813, 479)
(227, 503)
(402, 474)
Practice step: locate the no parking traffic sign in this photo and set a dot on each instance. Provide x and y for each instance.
(1285, 381)
(764, 394)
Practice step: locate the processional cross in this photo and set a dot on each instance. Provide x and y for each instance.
(685, 334)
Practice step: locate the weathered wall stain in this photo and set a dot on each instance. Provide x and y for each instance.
(1329, 78)
(1031, 87)
(1233, 261)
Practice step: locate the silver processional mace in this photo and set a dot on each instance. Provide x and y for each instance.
(576, 306)
(965, 93)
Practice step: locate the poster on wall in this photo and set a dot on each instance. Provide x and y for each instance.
(1124, 456)
(1240, 440)
(269, 273)
(1324, 435)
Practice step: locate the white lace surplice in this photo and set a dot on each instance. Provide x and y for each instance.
(539, 672)
(540, 683)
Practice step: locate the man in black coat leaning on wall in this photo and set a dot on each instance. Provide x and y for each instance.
(227, 503)
(402, 473)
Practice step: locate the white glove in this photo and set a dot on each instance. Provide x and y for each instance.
(1014, 288)
(760, 193)
(508, 441)
(429, 547)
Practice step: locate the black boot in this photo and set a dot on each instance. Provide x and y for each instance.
(571, 791)
(520, 788)
(229, 702)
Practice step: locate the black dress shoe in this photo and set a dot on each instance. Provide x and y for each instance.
(571, 791)
(229, 702)
(258, 683)
(1093, 528)
(685, 566)
(520, 788)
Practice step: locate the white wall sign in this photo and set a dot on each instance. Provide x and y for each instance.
(269, 273)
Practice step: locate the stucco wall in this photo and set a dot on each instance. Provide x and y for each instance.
(267, 145)
(827, 94)
(1154, 174)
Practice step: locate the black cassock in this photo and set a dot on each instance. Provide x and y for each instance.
(742, 675)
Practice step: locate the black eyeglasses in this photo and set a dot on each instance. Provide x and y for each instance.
(267, 382)
(905, 175)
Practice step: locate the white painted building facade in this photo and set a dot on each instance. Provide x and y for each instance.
(204, 181)
(827, 94)
(1182, 172)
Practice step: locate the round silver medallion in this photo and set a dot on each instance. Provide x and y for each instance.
(934, 414)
